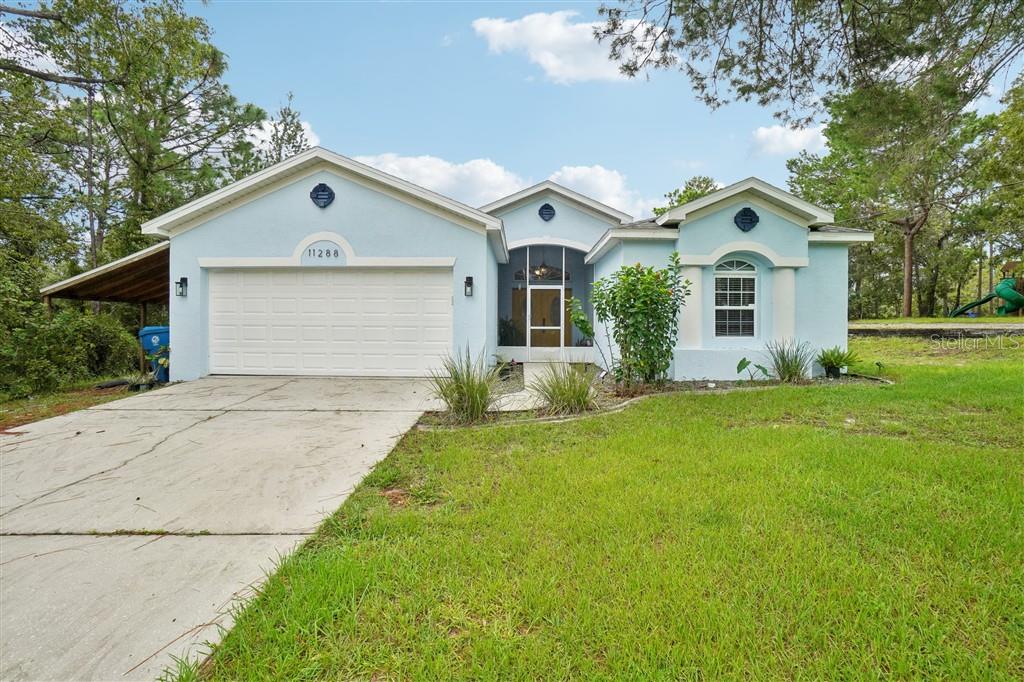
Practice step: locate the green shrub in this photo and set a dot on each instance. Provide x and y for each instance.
(566, 389)
(836, 358)
(466, 386)
(642, 304)
(791, 361)
(41, 354)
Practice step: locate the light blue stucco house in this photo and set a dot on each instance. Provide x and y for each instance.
(321, 265)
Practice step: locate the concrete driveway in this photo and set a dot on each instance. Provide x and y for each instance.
(127, 531)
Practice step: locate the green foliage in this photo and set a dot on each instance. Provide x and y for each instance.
(581, 321)
(790, 360)
(792, 55)
(908, 165)
(42, 355)
(284, 136)
(752, 369)
(836, 358)
(566, 388)
(1002, 212)
(466, 386)
(642, 305)
(111, 113)
(695, 188)
(579, 317)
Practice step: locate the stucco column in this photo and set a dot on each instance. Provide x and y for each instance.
(692, 315)
(784, 303)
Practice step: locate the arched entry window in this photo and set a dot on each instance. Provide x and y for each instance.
(735, 298)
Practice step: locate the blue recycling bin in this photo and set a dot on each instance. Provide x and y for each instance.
(156, 341)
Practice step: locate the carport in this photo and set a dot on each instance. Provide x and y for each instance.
(141, 278)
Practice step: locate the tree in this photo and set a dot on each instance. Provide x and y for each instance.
(788, 54)
(110, 113)
(694, 188)
(22, 42)
(269, 142)
(1001, 218)
(149, 126)
(898, 158)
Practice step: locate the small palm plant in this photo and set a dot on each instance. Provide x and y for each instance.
(566, 389)
(790, 360)
(466, 386)
(834, 359)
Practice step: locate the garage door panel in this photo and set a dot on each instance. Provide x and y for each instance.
(329, 321)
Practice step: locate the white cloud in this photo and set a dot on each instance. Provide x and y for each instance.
(475, 182)
(447, 40)
(566, 51)
(480, 181)
(607, 186)
(779, 139)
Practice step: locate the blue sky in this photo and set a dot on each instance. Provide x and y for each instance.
(479, 99)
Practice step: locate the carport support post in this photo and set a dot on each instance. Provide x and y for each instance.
(142, 323)
(49, 306)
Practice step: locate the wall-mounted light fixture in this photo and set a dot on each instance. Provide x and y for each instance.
(181, 287)
(468, 286)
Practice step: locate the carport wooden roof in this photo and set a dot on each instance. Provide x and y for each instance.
(142, 277)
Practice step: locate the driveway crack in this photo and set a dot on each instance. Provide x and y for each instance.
(126, 462)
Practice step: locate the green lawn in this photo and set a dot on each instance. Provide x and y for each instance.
(16, 412)
(991, 319)
(844, 531)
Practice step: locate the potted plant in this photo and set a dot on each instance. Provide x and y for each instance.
(835, 359)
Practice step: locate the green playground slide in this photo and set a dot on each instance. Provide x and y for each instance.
(1013, 300)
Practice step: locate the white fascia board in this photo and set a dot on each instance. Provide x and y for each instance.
(500, 245)
(604, 210)
(168, 223)
(841, 237)
(815, 215)
(103, 269)
(616, 235)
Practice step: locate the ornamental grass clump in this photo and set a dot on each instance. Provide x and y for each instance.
(566, 389)
(790, 360)
(466, 386)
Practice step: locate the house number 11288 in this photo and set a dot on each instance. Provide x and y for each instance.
(314, 252)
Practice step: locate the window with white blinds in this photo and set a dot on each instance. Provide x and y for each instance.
(735, 298)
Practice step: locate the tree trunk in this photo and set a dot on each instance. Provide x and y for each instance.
(908, 273)
(991, 279)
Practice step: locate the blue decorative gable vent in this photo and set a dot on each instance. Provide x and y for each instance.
(746, 219)
(322, 195)
(546, 212)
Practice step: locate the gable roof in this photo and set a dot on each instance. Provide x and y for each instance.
(202, 209)
(582, 201)
(840, 235)
(815, 215)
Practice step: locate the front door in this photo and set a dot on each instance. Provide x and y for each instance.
(545, 315)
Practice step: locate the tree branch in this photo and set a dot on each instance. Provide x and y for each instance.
(32, 13)
(80, 81)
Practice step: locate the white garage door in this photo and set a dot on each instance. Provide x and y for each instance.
(318, 321)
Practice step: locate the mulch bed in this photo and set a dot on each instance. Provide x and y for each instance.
(612, 398)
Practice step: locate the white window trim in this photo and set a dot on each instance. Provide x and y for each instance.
(745, 274)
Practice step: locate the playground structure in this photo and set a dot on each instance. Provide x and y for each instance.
(1010, 289)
